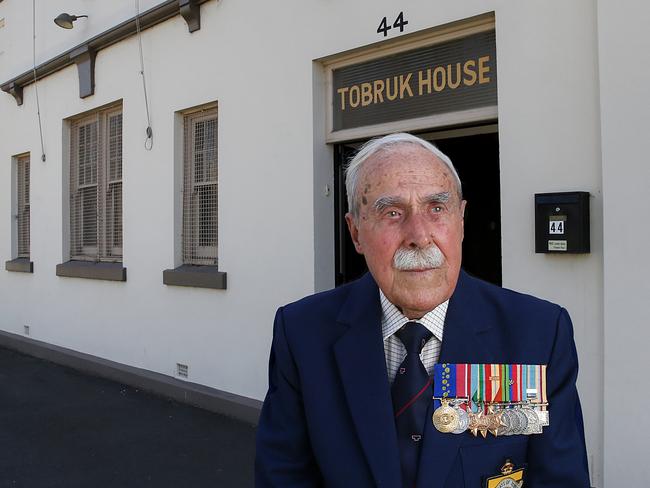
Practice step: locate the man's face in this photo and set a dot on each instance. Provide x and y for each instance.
(408, 201)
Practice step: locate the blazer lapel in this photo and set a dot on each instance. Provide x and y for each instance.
(361, 361)
(462, 341)
(467, 325)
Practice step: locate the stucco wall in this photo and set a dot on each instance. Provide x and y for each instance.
(625, 92)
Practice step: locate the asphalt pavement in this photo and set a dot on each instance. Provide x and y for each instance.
(62, 428)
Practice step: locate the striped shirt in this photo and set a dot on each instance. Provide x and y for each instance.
(392, 320)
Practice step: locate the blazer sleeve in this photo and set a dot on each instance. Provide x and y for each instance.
(284, 456)
(558, 457)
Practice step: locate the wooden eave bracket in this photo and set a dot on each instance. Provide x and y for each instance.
(84, 58)
(191, 12)
(15, 91)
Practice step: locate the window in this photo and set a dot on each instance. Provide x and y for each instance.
(196, 253)
(22, 206)
(200, 188)
(21, 213)
(96, 187)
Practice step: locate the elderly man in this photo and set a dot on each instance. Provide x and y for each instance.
(350, 401)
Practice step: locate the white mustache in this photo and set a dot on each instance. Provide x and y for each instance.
(406, 259)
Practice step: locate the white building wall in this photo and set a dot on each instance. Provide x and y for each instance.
(256, 60)
(549, 141)
(265, 233)
(625, 97)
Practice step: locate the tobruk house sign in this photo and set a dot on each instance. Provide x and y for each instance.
(447, 77)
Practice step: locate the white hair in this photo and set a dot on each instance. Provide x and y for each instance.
(385, 143)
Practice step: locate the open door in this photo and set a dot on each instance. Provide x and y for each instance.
(476, 158)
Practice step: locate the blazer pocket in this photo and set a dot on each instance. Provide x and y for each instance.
(481, 461)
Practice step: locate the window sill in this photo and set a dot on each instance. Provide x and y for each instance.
(92, 270)
(197, 276)
(20, 265)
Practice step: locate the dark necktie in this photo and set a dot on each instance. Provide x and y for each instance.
(411, 394)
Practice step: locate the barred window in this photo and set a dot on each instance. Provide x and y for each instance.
(22, 206)
(96, 186)
(200, 188)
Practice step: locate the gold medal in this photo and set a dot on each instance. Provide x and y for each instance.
(445, 418)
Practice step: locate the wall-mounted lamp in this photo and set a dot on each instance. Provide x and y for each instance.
(66, 20)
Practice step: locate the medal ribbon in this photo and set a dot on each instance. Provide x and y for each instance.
(450, 376)
(535, 383)
(522, 382)
(512, 381)
(475, 386)
(444, 381)
(487, 383)
(495, 380)
(515, 389)
(480, 387)
(462, 378)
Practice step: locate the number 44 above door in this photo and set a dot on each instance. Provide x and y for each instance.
(398, 24)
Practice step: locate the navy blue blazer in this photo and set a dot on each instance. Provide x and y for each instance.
(327, 419)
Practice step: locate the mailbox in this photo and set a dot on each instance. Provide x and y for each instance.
(562, 222)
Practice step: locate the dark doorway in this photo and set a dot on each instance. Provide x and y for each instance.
(476, 158)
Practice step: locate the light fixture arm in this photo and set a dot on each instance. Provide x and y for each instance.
(66, 20)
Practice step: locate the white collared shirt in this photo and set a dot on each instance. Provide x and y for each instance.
(392, 320)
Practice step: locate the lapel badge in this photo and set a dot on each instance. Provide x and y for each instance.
(509, 477)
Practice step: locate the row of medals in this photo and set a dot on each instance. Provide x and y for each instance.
(500, 419)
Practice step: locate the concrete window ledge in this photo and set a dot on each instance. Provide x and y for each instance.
(197, 276)
(20, 265)
(92, 270)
